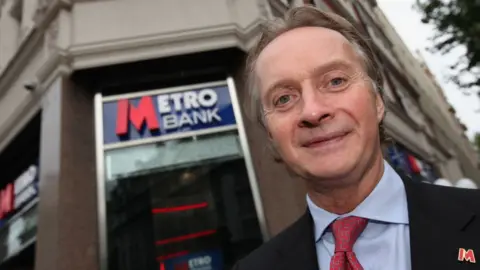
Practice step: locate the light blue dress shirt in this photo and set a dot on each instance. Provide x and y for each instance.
(385, 242)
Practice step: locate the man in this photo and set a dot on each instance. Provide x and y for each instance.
(316, 86)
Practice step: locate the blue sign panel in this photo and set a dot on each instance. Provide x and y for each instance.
(205, 260)
(153, 115)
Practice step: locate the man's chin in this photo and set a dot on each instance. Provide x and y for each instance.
(327, 171)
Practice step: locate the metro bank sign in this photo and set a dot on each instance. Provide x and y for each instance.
(17, 194)
(156, 113)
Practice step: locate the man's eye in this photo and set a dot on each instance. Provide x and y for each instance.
(337, 81)
(282, 100)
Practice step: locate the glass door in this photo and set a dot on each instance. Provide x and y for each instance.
(180, 205)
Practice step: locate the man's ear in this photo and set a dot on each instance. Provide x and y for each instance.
(272, 148)
(270, 138)
(380, 106)
(273, 151)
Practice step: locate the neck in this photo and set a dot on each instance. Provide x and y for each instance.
(350, 191)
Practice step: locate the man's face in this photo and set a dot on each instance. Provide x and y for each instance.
(320, 109)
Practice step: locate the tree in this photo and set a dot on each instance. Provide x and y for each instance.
(476, 141)
(456, 23)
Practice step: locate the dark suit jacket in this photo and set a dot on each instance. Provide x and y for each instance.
(442, 220)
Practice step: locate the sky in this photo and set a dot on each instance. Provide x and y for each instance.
(416, 36)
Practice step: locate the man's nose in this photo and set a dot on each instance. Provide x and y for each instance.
(316, 108)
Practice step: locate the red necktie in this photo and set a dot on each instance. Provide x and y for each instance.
(346, 231)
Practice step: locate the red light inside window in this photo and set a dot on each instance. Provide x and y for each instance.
(179, 208)
(185, 237)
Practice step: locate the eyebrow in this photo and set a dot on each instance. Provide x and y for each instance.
(278, 84)
(335, 64)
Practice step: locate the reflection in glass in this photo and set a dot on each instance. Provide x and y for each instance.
(165, 155)
(181, 204)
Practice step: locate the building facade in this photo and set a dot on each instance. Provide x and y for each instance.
(443, 122)
(124, 144)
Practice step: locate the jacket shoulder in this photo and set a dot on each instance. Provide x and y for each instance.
(438, 197)
(469, 198)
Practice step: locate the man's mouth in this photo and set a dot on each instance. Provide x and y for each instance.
(325, 140)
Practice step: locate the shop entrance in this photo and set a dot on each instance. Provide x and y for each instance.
(200, 211)
(177, 192)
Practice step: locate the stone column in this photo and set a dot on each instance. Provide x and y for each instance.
(67, 224)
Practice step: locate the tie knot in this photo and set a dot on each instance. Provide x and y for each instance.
(346, 231)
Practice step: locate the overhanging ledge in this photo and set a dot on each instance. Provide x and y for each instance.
(163, 45)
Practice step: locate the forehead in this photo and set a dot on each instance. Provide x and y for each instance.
(302, 50)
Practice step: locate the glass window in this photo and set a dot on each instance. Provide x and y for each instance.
(19, 233)
(180, 205)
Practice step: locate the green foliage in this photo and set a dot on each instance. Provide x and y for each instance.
(457, 23)
(476, 141)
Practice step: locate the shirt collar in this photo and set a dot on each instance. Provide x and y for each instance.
(386, 203)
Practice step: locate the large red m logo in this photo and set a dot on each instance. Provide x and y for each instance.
(466, 255)
(143, 113)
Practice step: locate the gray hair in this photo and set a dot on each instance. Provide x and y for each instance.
(307, 16)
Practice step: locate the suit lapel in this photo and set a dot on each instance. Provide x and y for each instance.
(298, 250)
(435, 227)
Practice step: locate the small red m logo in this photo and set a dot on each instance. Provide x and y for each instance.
(466, 255)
